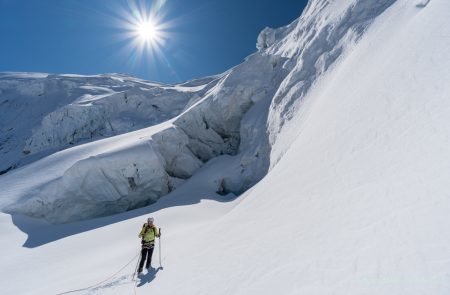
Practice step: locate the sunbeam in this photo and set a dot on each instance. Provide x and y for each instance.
(144, 29)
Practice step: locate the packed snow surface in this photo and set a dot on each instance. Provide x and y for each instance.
(343, 116)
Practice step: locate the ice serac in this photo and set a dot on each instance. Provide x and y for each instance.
(323, 34)
(239, 113)
(41, 113)
(220, 123)
(357, 203)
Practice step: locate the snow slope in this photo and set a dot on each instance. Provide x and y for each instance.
(135, 169)
(42, 113)
(356, 200)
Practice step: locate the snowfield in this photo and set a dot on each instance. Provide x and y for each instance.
(320, 165)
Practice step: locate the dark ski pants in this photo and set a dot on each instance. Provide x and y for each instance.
(146, 253)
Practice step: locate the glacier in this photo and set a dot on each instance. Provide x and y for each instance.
(317, 166)
(272, 81)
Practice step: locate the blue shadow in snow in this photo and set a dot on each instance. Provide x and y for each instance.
(41, 232)
(148, 277)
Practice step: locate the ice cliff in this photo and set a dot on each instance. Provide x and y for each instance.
(170, 131)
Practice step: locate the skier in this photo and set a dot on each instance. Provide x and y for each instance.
(147, 234)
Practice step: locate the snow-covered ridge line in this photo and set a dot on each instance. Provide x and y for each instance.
(240, 113)
(358, 204)
(43, 113)
(322, 35)
(150, 164)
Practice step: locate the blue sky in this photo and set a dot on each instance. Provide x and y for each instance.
(201, 37)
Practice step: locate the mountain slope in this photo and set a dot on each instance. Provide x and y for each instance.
(133, 170)
(229, 118)
(42, 113)
(356, 201)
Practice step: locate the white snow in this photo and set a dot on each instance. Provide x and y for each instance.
(98, 182)
(356, 199)
(41, 114)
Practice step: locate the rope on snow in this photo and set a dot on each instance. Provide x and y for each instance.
(105, 280)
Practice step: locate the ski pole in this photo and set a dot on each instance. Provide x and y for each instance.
(135, 270)
(160, 265)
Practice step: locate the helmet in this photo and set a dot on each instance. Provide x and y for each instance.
(150, 220)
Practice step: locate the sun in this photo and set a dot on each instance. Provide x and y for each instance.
(148, 31)
(144, 30)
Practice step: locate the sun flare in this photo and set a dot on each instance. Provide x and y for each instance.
(144, 31)
(148, 31)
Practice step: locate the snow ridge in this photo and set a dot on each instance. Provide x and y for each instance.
(321, 37)
(239, 113)
(357, 204)
(42, 113)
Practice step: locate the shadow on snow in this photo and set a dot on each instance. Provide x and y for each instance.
(148, 277)
(41, 232)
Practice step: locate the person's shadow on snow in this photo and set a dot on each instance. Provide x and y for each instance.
(149, 276)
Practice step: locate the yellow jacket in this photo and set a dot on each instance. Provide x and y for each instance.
(148, 233)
